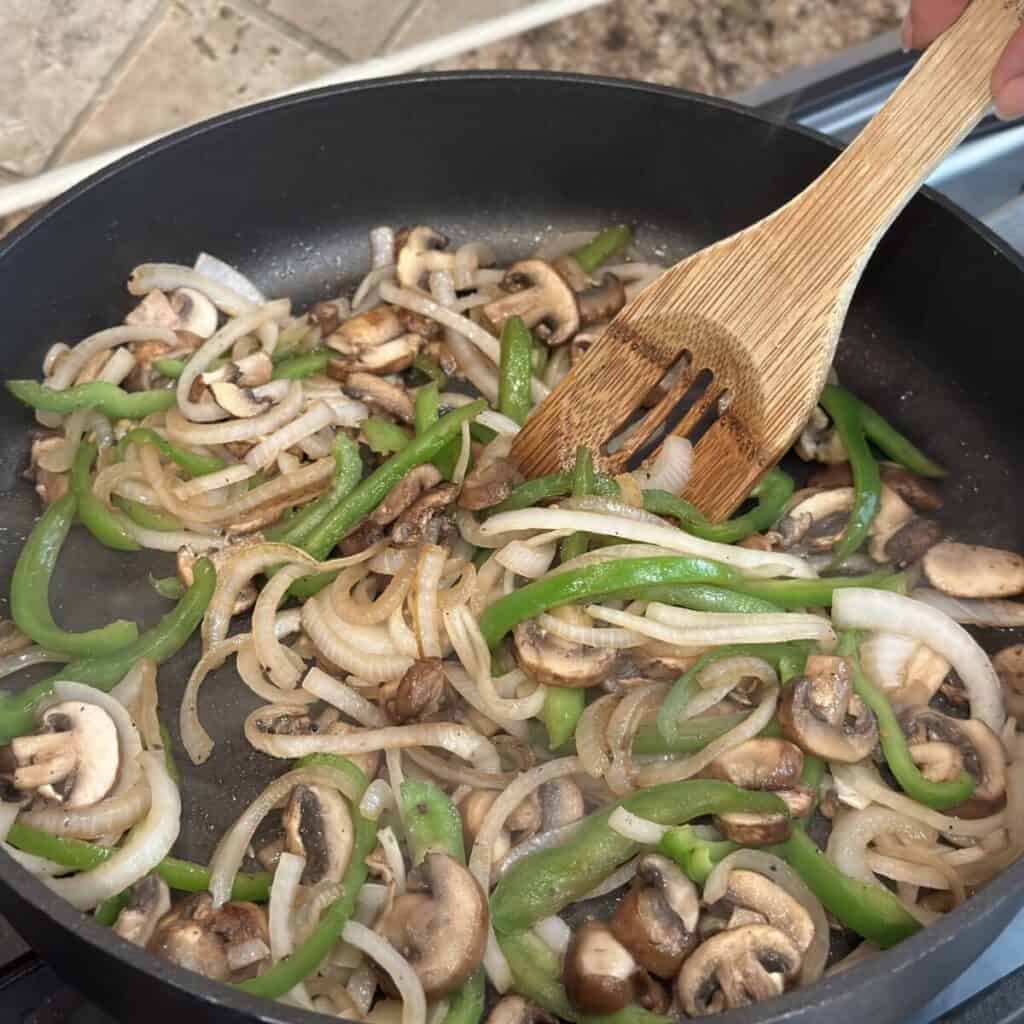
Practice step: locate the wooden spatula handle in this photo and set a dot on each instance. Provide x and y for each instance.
(934, 108)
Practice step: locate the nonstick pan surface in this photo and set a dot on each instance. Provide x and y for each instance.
(287, 190)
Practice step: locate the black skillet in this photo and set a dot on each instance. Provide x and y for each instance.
(286, 190)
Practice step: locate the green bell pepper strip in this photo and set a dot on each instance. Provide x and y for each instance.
(181, 875)
(383, 437)
(430, 369)
(582, 484)
(113, 402)
(561, 712)
(337, 763)
(545, 488)
(146, 516)
(867, 481)
(692, 735)
(348, 468)
(192, 462)
(105, 524)
(426, 412)
(375, 488)
(605, 579)
(536, 975)
(172, 369)
(605, 244)
(771, 494)
(106, 913)
(466, 1003)
(172, 767)
(432, 824)
(701, 597)
(818, 593)
(105, 671)
(168, 586)
(872, 911)
(514, 371)
(686, 686)
(899, 448)
(544, 882)
(695, 857)
(305, 365)
(940, 796)
(307, 955)
(30, 591)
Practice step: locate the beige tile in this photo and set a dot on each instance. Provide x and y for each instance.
(205, 57)
(53, 56)
(433, 18)
(356, 28)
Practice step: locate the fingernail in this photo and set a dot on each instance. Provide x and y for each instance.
(907, 35)
(1009, 99)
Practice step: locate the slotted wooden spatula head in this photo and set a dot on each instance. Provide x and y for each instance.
(751, 323)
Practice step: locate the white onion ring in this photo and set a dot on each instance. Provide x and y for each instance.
(632, 826)
(186, 432)
(318, 416)
(414, 1002)
(283, 665)
(319, 624)
(108, 817)
(423, 599)
(994, 613)
(71, 364)
(283, 891)
(344, 698)
(590, 636)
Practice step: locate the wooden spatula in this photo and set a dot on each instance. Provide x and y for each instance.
(761, 312)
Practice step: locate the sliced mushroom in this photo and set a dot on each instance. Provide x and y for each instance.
(375, 327)
(815, 520)
(561, 803)
(240, 402)
(420, 692)
(155, 310)
(439, 924)
(911, 542)
(73, 759)
(249, 372)
(970, 570)
(381, 394)
(755, 892)
(488, 483)
(820, 442)
(750, 829)
(516, 1010)
(1009, 666)
(406, 492)
(420, 250)
(541, 297)
(391, 357)
(760, 764)
(224, 944)
(196, 313)
(554, 661)
(657, 920)
(894, 515)
(328, 314)
(942, 746)
(473, 808)
(601, 301)
(150, 899)
(49, 485)
(823, 716)
(737, 967)
(318, 826)
(412, 526)
(599, 973)
(919, 493)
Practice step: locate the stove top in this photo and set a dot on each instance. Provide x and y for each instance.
(986, 177)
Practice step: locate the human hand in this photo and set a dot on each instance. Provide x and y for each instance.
(927, 19)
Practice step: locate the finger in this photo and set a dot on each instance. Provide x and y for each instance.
(1008, 78)
(928, 19)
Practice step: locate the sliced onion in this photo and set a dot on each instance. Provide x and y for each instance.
(414, 1003)
(213, 481)
(318, 416)
(284, 666)
(554, 933)
(378, 798)
(616, 880)
(228, 276)
(344, 698)
(28, 657)
(676, 770)
(368, 614)
(612, 507)
(465, 687)
(69, 367)
(401, 635)
(561, 243)
(423, 599)
(864, 608)
(523, 559)
(623, 724)
(498, 423)
(195, 739)
(283, 892)
(180, 429)
(330, 640)
(250, 671)
(591, 735)
(540, 841)
(995, 613)
(118, 366)
(632, 826)
(854, 831)
(757, 563)
(670, 470)
(781, 874)
(590, 636)
(907, 872)
(110, 816)
(38, 866)
(452, 772)
(382, 246)
(140, 853)
(393, 857)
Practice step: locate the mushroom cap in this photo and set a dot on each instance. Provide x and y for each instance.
(601, 301)
(516, 1010)
(599, 971)
(488, 483)
(442, 931)
(381, 394)
(755, 829)
(195, 312)
(420, 692)
(415, 247)
(240, 402)
(1009, 666)
(554, 661)
(912, 541)
(737, 967)
(561, 803)
(815, 520)
(97, 757)
(820, 713)
(761, 763)
(318, 826)
(756, 892)
(971, 570)
(412, 526)
(375, 327)
(541, 297)
(150, 900)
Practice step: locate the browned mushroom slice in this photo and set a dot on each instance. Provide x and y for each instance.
(420, 692)
(893, 516)
(249, 372)
(229, 944)
(749, 829)
(318, 826)
(553, 661)
(759, 894)
(1009, 666)
(149, 899)
(195, 312)
(240, 402)
(49, 485)
(970, 570)
(439, 924)
(911, 542)
(760, 764)
(391, 357)
(488, 483)
(516, 1010)
(366, 330)
(540, 297)
(412, 526)
(599, 973)
(942, 747)
(405, 493)
(601, 301)
(819, 441)
(381, 394)
(657, 920)
(561, 803)
(473, 808)
(823, 716)
(420, 251)
(815, 520)
(918, 492)
(737, 967)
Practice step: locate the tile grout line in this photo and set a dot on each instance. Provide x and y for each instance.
(403, 20)
(107, 83)
(290, 30)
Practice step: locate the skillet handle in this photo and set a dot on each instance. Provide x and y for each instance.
(930, 113)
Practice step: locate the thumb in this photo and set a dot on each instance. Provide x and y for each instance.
(927, 20)
(1008, 78)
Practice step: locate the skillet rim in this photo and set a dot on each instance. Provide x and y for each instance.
(799, 1003)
